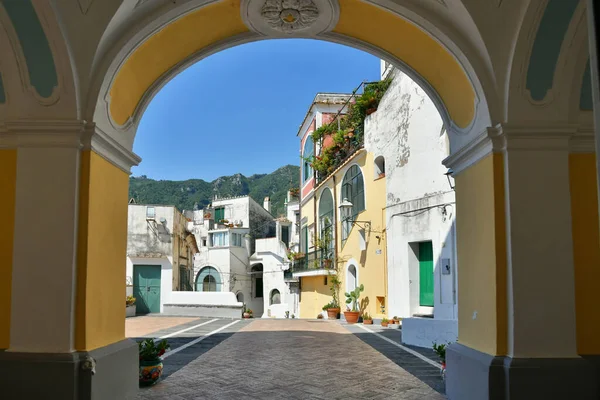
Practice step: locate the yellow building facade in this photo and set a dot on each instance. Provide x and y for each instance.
(358, 249)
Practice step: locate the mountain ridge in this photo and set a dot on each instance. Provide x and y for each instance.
(198, 193)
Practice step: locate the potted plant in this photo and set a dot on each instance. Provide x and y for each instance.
(247, 313)
(332, 310)
(352, 315)
(385, 322)
(367, 319)
(440, 350)
(397, 320)
(151, 365)
(130, 306)
(320, 316)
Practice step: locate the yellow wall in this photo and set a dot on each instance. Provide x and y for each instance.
(8, 184)
(313, 296)
(586, 250)
(102, 247)
(481, 249)
(371, 268)
(165, 49)
(222, 20)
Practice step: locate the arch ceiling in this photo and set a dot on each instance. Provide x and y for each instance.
(358, 21)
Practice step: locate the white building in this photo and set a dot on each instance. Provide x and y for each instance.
(292, 212)
(226, 233)
(160, 253)
(408, 140)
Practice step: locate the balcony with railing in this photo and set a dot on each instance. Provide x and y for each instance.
(315, 263)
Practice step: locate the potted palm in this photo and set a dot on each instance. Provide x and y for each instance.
(352, 297)
(151, 365)
(385, 322)
(130, 306)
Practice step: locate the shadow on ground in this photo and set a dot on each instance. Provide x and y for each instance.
(291, 364)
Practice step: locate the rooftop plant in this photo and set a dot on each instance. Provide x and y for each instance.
(348, 133)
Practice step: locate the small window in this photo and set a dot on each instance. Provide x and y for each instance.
(203, 242)
(307, 153)
(379, 167)
(219, 214)
(150, 213)
(220, 239)
(325, 281)
(275, 297)
(236, 239)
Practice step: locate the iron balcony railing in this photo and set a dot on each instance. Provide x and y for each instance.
(315, 260)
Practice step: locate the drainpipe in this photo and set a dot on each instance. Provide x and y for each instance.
(385, 260)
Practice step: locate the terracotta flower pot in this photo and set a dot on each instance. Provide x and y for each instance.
(367, 321)
(332, 313)
(150, 372)
(351, 316)
(384, 324)
(246, 315)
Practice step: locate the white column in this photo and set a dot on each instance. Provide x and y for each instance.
(45, 240)
(540, 272)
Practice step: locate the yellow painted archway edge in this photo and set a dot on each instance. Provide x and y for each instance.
(358, 20)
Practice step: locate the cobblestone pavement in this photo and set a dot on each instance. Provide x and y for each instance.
(281, 359)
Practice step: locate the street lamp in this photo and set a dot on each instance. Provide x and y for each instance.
(448, 175)
(346, 214)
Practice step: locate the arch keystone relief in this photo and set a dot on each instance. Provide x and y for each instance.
(285, 18)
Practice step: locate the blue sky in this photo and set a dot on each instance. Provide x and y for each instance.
(239, 110)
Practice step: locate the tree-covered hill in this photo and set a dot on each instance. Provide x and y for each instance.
(186, 194)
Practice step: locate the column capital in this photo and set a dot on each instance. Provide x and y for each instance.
(77, 134)
(98, 141)
(41, 133)
(505, 137)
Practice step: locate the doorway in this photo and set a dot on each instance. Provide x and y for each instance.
(146, 288)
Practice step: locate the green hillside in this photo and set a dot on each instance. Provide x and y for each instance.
(197, 192)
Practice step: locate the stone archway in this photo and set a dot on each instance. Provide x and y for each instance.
(70, 144)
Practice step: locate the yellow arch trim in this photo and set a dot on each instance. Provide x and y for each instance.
(165, 49)
(359, 20)
(414, 47)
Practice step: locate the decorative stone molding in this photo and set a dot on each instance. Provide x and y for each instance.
(289, 18)
(506, 138)
(65, 134)
(41, 133)
(97, 140)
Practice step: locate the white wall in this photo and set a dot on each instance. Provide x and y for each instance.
(166, 274)
(423, 332)
(146, 237)
(407, 131)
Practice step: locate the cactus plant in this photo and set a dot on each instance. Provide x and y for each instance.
(354, 296)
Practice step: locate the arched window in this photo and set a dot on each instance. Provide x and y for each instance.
(353, 189)
(208, 280)
(351, 279)
(326, 220)
(257, 280)
(307, 153)
(379, 167)
(240, 297)
(275, 297)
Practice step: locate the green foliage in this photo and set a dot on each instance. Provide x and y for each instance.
(329, 305)
(349, 134)
(151, 351)
(385, 321)
(354, 296)
(334, 287)
(367, 317)
(129, 301)
(185, 194)
(440, 350)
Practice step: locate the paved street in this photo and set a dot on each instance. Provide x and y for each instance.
(287, 359)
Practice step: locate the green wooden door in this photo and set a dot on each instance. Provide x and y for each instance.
(146, 288)
(426, 274)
